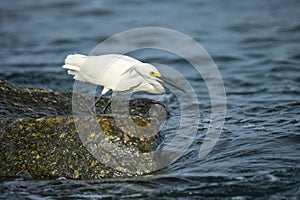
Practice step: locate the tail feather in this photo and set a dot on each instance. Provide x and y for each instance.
(71, 72)
(71, 67)
(75, 59)
(73, 63)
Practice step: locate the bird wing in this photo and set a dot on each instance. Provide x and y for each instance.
(105, 70)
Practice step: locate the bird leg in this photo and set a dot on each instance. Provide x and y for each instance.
(106, 105)
(96, 101)
(90, 108)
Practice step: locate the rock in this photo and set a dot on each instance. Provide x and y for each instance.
(40, 137)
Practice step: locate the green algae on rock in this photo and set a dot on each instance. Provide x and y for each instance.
(39, 136)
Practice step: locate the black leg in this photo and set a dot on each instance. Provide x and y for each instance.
(96, 101)
(94, 104)
(107, 104)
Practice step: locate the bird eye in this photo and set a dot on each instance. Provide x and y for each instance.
(152, 73)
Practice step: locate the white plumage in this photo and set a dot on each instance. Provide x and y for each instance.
(115, 72)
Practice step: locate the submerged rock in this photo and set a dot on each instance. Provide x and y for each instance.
(39, 136)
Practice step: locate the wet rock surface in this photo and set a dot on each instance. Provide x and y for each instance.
(39, 137)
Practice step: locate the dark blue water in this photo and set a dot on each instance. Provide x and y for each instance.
(255, 45)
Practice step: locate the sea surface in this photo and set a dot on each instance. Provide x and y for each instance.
(256, 46)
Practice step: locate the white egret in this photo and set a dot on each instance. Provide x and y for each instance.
(117, 73)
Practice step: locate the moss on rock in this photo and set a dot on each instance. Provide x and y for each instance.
(39, 136)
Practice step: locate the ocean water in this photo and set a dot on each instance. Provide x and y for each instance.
(255, 45)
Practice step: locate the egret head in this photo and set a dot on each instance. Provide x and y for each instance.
(148, 71)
